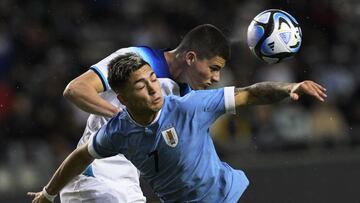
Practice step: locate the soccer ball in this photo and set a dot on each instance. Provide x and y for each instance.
(274, 35)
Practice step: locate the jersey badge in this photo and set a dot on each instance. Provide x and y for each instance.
(170, 137)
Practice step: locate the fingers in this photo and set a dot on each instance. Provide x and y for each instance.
(320, 87)
(35, 196)
(31, 193)
(320, 90)
(315, 90)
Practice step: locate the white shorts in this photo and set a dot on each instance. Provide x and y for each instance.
(87, 189)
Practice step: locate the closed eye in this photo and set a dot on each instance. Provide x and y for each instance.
(153, 77)
(214, 68)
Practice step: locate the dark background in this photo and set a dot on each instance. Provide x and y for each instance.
(303, 151)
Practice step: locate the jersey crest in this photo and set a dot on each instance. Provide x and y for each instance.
(170, 137)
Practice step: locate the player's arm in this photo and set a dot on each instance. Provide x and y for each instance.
(72, 166)
(271, 92)
(84, 90)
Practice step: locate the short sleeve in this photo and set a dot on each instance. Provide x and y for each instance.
(102, 144)
(101, 68)
(208, 105)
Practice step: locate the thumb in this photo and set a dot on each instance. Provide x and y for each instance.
(294, 96)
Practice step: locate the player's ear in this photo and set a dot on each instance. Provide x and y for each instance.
(190, 57)
(122, 99)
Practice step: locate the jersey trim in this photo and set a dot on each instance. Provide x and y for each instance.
(229, 99)
(102, 77)
(139, 125)
(88, 171)
(91, 149)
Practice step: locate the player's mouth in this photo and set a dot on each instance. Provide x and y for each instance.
(157, 100)
(207, 85)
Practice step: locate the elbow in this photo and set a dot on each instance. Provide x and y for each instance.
(70, 91)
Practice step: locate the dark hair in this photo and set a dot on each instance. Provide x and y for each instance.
(121, 67)
(207, 41)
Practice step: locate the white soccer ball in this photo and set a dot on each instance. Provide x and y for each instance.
(274, 35)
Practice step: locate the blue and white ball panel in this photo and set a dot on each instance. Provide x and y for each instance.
(289, 33)
(285, 36)
(273, 44)
(263, 17)
(254, 34)
(280, 24)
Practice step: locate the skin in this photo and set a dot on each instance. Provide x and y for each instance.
(84, 90)
(142, 97)
(202, 73)
(271, 92)
(188, 68)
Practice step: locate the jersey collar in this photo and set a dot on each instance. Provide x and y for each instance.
(154, 121)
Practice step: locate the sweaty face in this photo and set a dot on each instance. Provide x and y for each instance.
(143, 92)
(205, 72)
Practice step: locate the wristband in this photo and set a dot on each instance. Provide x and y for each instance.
(48, 196)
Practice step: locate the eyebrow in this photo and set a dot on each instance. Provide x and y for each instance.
(216, 67)
(143, 79)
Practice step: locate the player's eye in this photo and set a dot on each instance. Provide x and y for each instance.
(139, 86)
(153, 78)
(214, 68)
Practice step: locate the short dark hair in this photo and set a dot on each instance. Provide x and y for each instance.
(207, 41)
(121, 67)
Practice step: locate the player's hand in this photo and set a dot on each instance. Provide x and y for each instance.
(308, 87)
(38, 197)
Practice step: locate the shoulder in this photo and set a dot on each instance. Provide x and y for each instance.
(188, 99)
(200, 94)
(118, 124)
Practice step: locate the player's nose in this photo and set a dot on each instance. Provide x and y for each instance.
(215, 76)
(152, 88)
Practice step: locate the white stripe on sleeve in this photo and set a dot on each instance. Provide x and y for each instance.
(229, 99)
(91, 148)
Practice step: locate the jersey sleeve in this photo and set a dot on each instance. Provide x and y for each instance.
(101, 68)
(102, 144)
(208, 105)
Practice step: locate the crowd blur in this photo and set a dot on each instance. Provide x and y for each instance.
(44, 44)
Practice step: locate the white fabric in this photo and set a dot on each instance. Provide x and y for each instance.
(229, 98)
(94, 190)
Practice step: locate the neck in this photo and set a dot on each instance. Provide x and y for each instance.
(143, 118)
(176, 65)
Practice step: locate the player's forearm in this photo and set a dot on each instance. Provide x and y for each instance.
(262, 93)
(72, 166)
(87, 98)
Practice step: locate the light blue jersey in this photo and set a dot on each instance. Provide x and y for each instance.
(175, 153)
(157, 61)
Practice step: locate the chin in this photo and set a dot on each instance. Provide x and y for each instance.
(157, 107)
(199, 88)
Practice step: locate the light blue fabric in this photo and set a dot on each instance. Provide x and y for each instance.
(190, 171)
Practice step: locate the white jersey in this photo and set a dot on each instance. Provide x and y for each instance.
(117, 171)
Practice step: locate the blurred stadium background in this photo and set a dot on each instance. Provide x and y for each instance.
(292, 152)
